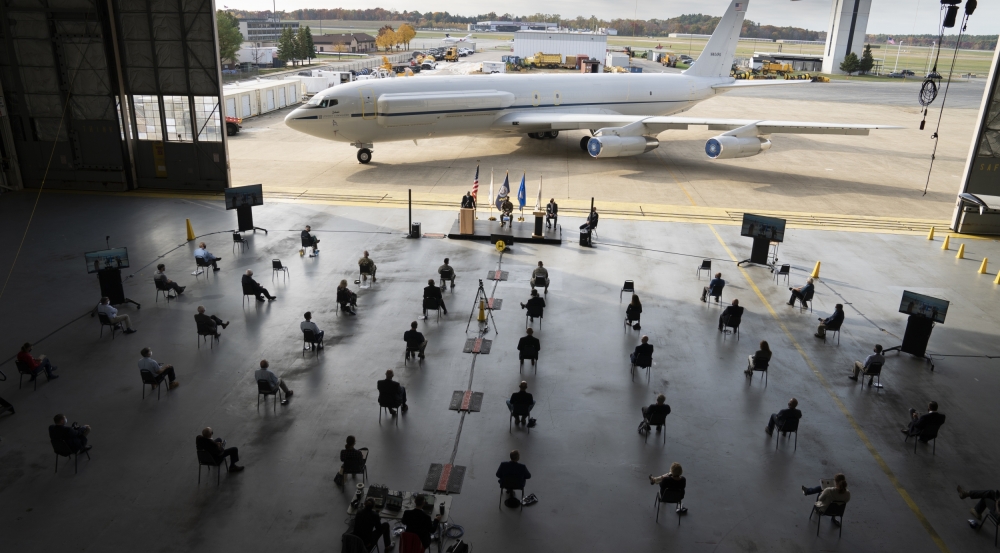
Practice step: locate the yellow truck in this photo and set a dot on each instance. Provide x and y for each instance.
(545, 60)
(451, 54)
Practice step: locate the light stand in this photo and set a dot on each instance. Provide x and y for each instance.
(481, 296)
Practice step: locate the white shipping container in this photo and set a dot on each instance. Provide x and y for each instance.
(615, 59)
(259, 97)
(529, 43)
(263, 55)
(494, 67)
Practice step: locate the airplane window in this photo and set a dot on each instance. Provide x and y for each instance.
(332, 103)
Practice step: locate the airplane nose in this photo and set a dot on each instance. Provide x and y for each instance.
(291, 119)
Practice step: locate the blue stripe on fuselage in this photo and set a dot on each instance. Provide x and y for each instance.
(438, 112)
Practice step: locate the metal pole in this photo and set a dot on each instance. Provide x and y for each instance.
(898, 48)
(409, 209)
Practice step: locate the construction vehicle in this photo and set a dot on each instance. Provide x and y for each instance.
(545, 60)
(451, 54)
(233, 125)
(780, 69)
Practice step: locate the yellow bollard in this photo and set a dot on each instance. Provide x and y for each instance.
(961, 252)
(997, 279)
(947, 240)
(930, 235)
(482, 311)
(815, 273)
(190, 230)
(982, 268)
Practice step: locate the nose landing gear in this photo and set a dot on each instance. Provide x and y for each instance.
(364, 152)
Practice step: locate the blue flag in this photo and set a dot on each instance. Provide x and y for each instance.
(504, 191)
(521, 197)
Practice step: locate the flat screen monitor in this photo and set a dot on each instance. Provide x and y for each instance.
(244, 196)
(919, 304)
(115, 258)
(758, 226)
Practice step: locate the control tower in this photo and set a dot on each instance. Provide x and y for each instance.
(848, 24)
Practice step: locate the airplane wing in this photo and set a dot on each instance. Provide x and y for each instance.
(756, 83)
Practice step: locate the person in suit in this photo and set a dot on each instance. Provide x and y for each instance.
(528, 347)
(159, 370)
(252, 287)
(515, 471)
(713, 284)
(432, 292)
(208, 324)
(643, 353)
(535, 305)
(802, 292)
(783, 416)
(827, 495)
(391, 394)
(347, 299)
(366, 266)
(551, 213)
(540, 272)
(731, 315)
(673, 480)
(759, 360)
(591, 223)
(309, 240)
(833, 322)
(75, 435)
(352, 460)
(419, 522)
(658, 409)
(217, 449)
(209, 258)
(369, 526)
(415, 342)
(34, 363)
(521, 397)
(875, 357)
(468, 202)
(919, 423)
(165, 283)
(634, 312)
(988, 499)
(447, 273)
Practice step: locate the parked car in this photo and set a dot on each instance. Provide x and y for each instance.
(428, 65)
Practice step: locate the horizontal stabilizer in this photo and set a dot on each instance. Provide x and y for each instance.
(762, 82)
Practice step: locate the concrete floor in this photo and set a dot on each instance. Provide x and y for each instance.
(589, 466)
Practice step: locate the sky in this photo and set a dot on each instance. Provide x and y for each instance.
(887, 16)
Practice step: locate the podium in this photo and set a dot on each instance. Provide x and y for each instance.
(466, 220)
(539, 224)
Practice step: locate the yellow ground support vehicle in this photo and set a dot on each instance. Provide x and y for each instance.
(451, 54)
(545, 60)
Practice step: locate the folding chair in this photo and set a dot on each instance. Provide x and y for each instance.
(531, 315)
(829, 330)
(657, 420)
(642, 363)
(205, 459)
(105, 321)
(309, 340)
(162, 288)
(509, 483)
(22, 371)
(789, 426)
(277, 267)
(432, 303)
(238, 239)
(386, 408)
(928, 434)
(833, 510)
(706, 265)
(733, 323)
(670, 496)
(209, 336)
(361, 468)
(62, 449)
(873, 372)
(807, 299)
(629, 287)
(264, 389)
(364, 277)
(760, 367)
(151, 380)
(784, 271)
(199, 264)
(518, 410)
(716, 292)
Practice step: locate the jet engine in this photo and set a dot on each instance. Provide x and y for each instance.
(730, 147)
(620, 146)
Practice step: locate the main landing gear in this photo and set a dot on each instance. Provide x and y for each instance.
(540, 135)
(364, 152)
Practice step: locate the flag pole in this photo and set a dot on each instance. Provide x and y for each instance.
(492, 218)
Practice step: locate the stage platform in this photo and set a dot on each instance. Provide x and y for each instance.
(485, 229)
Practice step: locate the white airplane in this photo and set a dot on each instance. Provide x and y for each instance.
(625, 112)
(452, 40)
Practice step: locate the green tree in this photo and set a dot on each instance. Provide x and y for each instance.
(304, 42)
(230, 37)
(287, 47)
(850, 63)
(867, 60)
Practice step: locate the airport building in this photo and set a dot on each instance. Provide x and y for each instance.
(347, 42)
(529, 43)
(265, 31)
(511, 26)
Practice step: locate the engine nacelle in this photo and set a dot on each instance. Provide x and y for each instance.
(620, 146)
(730, 147)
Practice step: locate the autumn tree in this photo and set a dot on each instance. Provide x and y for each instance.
(230, 38)
(406, 34)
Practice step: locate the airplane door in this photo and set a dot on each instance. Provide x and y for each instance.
(367, 103)
(535, 99)
(557, 99)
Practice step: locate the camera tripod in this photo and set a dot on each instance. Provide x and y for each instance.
(481, 296)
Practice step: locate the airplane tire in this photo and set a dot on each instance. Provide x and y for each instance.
(364, 156)
(583, 143)
(552, 134)
(532, 135)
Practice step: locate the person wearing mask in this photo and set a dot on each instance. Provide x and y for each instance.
(540, 272)
(432, 292)
(802, 293)
(264, 373)
(634, 312)
(208, 324)
(347, 299)
(105, 308)
(447, 273)
(367, 266)
(207, 256)
(521, 397)
(528, 347)
(415, 342)
(34, 363)
(164, 283)
(833, 322)
(159, 370)
(217, 449)
(535, 306)
(75, 435)
(506, 211)
(419, 522)
(309, 241)
(860, 367)
(369, 527)
(829, 491)
(551, 213)
(731, 315)
(785, 415)
(715, 283)
(656, 410)
(516, 472)
(591, 223)
(673, 480)
(391, 394)
(309, 325)
(759, 360)
(643, 353)
(252, 288)
(919, 423)
(468, 202)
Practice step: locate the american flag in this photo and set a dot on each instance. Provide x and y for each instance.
(475, 185)
(890, 41)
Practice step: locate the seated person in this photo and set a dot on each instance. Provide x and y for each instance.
(419, 522)
(506, 211)
(829, 492)
(432, 293)
(802, 293)
(535, 305)
(785, 415)
(759, 360)
(164, 283)
(516, 472)
(860, 367)
(310, 241)
(447, 273)
(415, 342)
(367, 266)
(206, 256)
(642, 356)
(540, 272)
(391, 394)
(105, 308)
(591, 223)
(347, 299)
(520, 397)
(715, 284)
(312, 327)
(833, 322)
(731, 316)
(352, 460)
(252, 288)
(673, 480)
(920, 423)
(656, 410)
(468, 201)
(33, 364)
(75, 435)
(634, 312)
(159, 370)
(264, 373)
(528, 347)
(208, 325)
(551, 213)
(369, 527)
(217, 449)
(988, 499)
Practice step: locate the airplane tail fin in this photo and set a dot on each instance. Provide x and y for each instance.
(716, 60)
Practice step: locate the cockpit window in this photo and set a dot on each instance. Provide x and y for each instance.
(319, 102)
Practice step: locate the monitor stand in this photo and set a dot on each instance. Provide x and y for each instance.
(111, 287)
(918, 333)
(758, 255)
(244, 217)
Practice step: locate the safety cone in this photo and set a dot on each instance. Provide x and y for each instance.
(982, 268)
(815, 273)
(997, 279)
(482, 311)
(930, 235)
(961, 252)
(947, 240)
(190, 230)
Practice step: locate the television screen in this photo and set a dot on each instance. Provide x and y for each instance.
(241, 196)
(115, 258)
(757, 226)
(919, 304)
